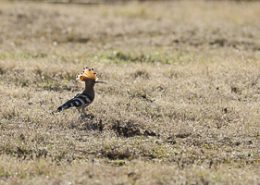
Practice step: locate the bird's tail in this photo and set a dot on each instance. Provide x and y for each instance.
(65, 106)
(62, 108)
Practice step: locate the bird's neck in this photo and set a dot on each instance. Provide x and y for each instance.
(89, 89)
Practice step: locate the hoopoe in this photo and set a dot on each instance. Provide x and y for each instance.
(84, 99)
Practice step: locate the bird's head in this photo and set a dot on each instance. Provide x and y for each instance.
(88, 74)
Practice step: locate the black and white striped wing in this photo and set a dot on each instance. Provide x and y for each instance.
(80, 100)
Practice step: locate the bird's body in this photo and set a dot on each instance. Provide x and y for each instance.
(84, 99)
(81, 100)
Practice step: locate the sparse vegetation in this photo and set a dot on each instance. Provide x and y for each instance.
(181, 104)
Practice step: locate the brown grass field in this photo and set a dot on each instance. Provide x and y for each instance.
(181, 104)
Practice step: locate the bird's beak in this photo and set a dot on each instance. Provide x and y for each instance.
(99, 81)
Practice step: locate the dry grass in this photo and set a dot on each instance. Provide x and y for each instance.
(181, 105)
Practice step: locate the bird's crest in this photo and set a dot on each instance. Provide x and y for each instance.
(87, 74)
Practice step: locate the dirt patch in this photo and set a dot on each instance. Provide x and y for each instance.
(131, 129)
(117, 154)
(94, 125)
(183, 135)
(90, 123)
(140, 74)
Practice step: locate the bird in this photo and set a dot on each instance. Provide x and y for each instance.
(82, 100)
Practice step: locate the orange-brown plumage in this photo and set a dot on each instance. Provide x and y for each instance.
(87, 74)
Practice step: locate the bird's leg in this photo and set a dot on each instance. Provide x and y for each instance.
(82, 112)
(90, 114)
